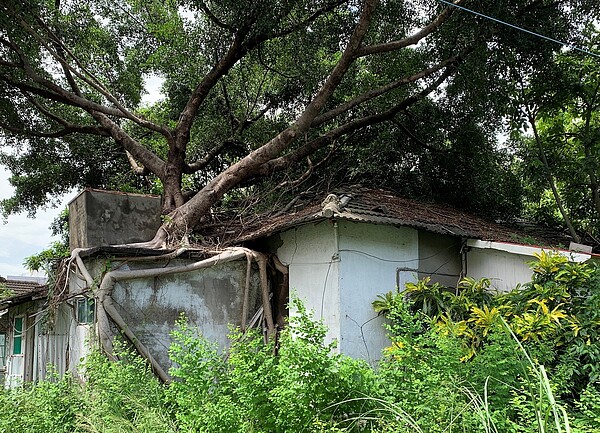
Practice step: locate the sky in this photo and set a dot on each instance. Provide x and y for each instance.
(21, 236)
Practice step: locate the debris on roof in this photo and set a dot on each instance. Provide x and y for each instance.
(374, 206)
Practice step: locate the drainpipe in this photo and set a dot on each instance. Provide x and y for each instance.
(464, 249)
(336, 243)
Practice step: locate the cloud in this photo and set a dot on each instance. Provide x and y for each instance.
(21, 237)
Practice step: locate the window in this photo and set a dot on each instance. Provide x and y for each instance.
(2, 350)
(85, 310)
(18, 336)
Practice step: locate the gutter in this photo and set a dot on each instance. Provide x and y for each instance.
(527, 250)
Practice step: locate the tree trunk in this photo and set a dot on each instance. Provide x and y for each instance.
(550, 179)
(173, 197)
(188, 215)
(589, 162)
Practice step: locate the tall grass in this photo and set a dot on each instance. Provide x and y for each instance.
(302, 389)
(539, 385)
(549, 415)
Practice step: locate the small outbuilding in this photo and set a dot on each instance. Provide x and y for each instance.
(344, 251)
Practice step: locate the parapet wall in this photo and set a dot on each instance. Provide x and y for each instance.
(99, 218)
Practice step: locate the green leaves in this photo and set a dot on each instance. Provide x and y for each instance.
(563, 105)
(286, 385)
(556, 317)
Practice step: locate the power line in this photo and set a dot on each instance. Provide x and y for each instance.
(519, 28)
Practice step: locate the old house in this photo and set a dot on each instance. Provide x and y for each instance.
(20, 303)
(104, 291)
(335, 254)
(344, 251)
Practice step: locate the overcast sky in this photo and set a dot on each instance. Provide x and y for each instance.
(21, 237)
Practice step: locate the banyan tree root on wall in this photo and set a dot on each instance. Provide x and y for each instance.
(107, 312)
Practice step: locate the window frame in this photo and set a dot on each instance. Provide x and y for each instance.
(3, 349)
(18, 335)
(85, 307)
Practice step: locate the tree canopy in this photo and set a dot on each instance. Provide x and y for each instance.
(560, 158)
(267, 93)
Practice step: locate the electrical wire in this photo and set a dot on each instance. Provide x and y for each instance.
(556, 41)
(416, 259)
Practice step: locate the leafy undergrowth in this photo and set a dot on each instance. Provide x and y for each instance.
(451, 370)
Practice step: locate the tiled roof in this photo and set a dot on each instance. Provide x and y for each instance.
(374, 206)
(20, 290)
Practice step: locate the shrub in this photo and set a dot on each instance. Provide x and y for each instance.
(286, 385)
(49, 407)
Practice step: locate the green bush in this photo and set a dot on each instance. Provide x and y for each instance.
(48, 407)
(474, 366)
(466, 338)
(286, 385)
(123, 396)
(117, 397)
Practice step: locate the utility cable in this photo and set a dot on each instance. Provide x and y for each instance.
(556, 41)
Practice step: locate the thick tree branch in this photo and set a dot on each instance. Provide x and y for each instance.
(307, 149)
(186, 216)
(92, 81)
(411, 40)
(47, 89)
(238, 48)
(67, 130)
(139, 152)
(213, 18)
(210, 156)
(311, 18)
(68, 127)
(235, 52)
(371, 94)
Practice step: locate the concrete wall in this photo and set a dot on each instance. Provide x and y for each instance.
(338, 271)
(439, 258)
(99, 218)
(370, 256)
(210, 298)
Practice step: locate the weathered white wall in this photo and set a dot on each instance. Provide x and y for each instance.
(210, 298)
(506, 263)
(310, 253)
(369, 258)
(339, 271)
(15, 371)
(503, 268)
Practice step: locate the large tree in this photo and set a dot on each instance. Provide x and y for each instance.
(251, 88)
(560, 146)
